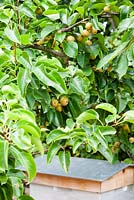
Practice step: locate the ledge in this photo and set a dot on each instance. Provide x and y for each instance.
(84, 174)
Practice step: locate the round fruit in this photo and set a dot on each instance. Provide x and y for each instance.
(131, 139)
(55, 102)
(38, 11)
(40, 42)
(64, 100)
(106, 9)
(117, 144)
(88, 42)
(59, 107)
(88, 26)
(70, 38)
(79, 38)
(92, 57)
(85, 33)
(126, 128)
(94, 30)
(109, 69)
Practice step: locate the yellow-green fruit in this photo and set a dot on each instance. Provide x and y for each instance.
(126, 128)
(88, 26)
(131, 139)
(92, 57)
(79, 38)
(40, 42)
(70, 38)
(94, 30)
(85, 33)
(55, 102)
(109, 69)
(59, 107)
(106, 9)
(64, 100)
(38, 11)
(88, 42)
(117, 144)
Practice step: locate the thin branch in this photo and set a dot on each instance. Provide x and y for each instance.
(74, 25)
(51, 51)
(17, 13)
(108, 15)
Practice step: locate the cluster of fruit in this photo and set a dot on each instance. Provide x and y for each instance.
(89, 29)
(59, 104)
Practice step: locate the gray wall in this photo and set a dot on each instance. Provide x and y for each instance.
(41, 192)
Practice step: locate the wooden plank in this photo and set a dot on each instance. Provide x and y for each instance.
(66, 182)
(122, 179)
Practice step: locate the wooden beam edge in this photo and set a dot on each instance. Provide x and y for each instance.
(124, 178)
(67, 182)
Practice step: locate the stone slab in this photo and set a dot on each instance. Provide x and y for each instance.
(40, 192)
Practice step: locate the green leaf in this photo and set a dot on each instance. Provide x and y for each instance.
(25, 39)
(24, 59)
(29, 127)
(76, 145)
(56, 135)
(129, 116)
(47, 30)
(18, 188)
(106, 153)
(64, 158)
(25, 197)
(21, 114)
(111, 118)
(108, 58)
(126, 24)
(3, 155)
(26, 160)
(72, 19)
(122, 66)
(87, 115)
(38, 144)
(108, 107)
(52, 14)
(60, 36)
(57, 78)
(23, 79)
(52, 151)
(70, 49)
(12, 35)
(3, 178)
(21, 139)
(45, 78)
(107, 130)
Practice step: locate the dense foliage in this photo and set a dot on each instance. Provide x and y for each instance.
(67, 85)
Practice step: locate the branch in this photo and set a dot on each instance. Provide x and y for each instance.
(51, 51)
(72, 26)
(108, 15)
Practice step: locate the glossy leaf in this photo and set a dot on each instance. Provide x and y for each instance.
(122, 66)
(4, 145)
(52, 151)
(70, 49)
(26, 160)
(24, 78)
(129, 116)
(64, 158)
(108, 58)
(108, 107)
(87, 115)
(12, 35)
(56, 135)
(107, 130)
